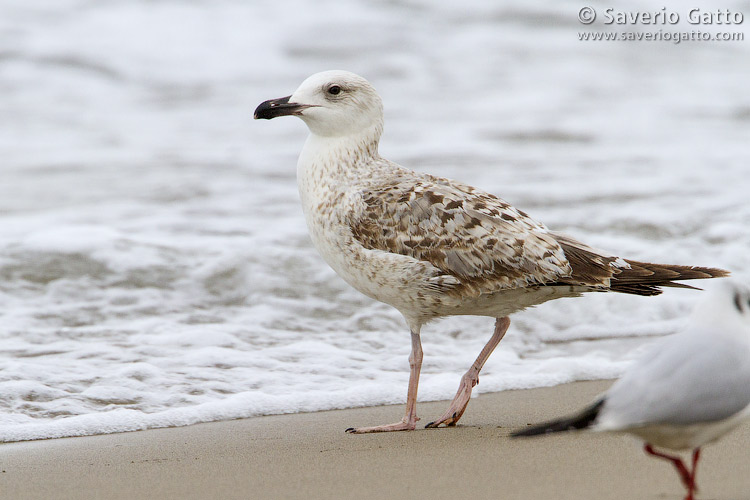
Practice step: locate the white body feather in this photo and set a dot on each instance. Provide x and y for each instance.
(692, 387)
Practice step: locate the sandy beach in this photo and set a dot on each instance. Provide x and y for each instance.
(310, 456)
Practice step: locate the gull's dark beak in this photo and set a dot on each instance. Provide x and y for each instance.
(278, 107)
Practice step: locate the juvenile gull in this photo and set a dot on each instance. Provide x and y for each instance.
(688, 390)
(428, 246)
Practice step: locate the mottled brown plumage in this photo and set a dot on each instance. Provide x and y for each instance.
(488, 245)
(471, 235)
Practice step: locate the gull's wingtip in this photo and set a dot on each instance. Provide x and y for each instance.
(582, 420)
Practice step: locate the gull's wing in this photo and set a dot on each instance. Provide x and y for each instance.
(487, 244)
(687, 378)
(466, 233)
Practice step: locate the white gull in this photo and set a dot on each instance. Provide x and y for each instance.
(428, 246)
(688, 390)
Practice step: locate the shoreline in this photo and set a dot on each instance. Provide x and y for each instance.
(308, 455)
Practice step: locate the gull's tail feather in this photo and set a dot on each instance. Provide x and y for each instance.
(602, 271)
(581, 420)
(644, 278)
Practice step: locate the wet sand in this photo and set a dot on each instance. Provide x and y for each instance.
(309, 456)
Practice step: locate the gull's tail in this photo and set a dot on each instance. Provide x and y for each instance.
(581, 420)
(595, 268)
(644, 278)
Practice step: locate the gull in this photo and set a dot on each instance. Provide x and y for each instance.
(428, 246)
(688, 390)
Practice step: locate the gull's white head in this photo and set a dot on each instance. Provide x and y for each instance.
(332, 104)
(728, 301)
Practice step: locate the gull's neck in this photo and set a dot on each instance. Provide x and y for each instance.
(338, 158)
(330, 166)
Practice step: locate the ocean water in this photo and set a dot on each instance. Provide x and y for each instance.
(155, 268)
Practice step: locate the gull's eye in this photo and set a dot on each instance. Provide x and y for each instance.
(334, 90)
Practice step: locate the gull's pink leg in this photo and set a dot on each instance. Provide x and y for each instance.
(409, 422)
(688, 478)
(471, 377)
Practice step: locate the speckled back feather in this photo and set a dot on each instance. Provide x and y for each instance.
(469, 234)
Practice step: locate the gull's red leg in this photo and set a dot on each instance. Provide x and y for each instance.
(686, 476)
(693, 482)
